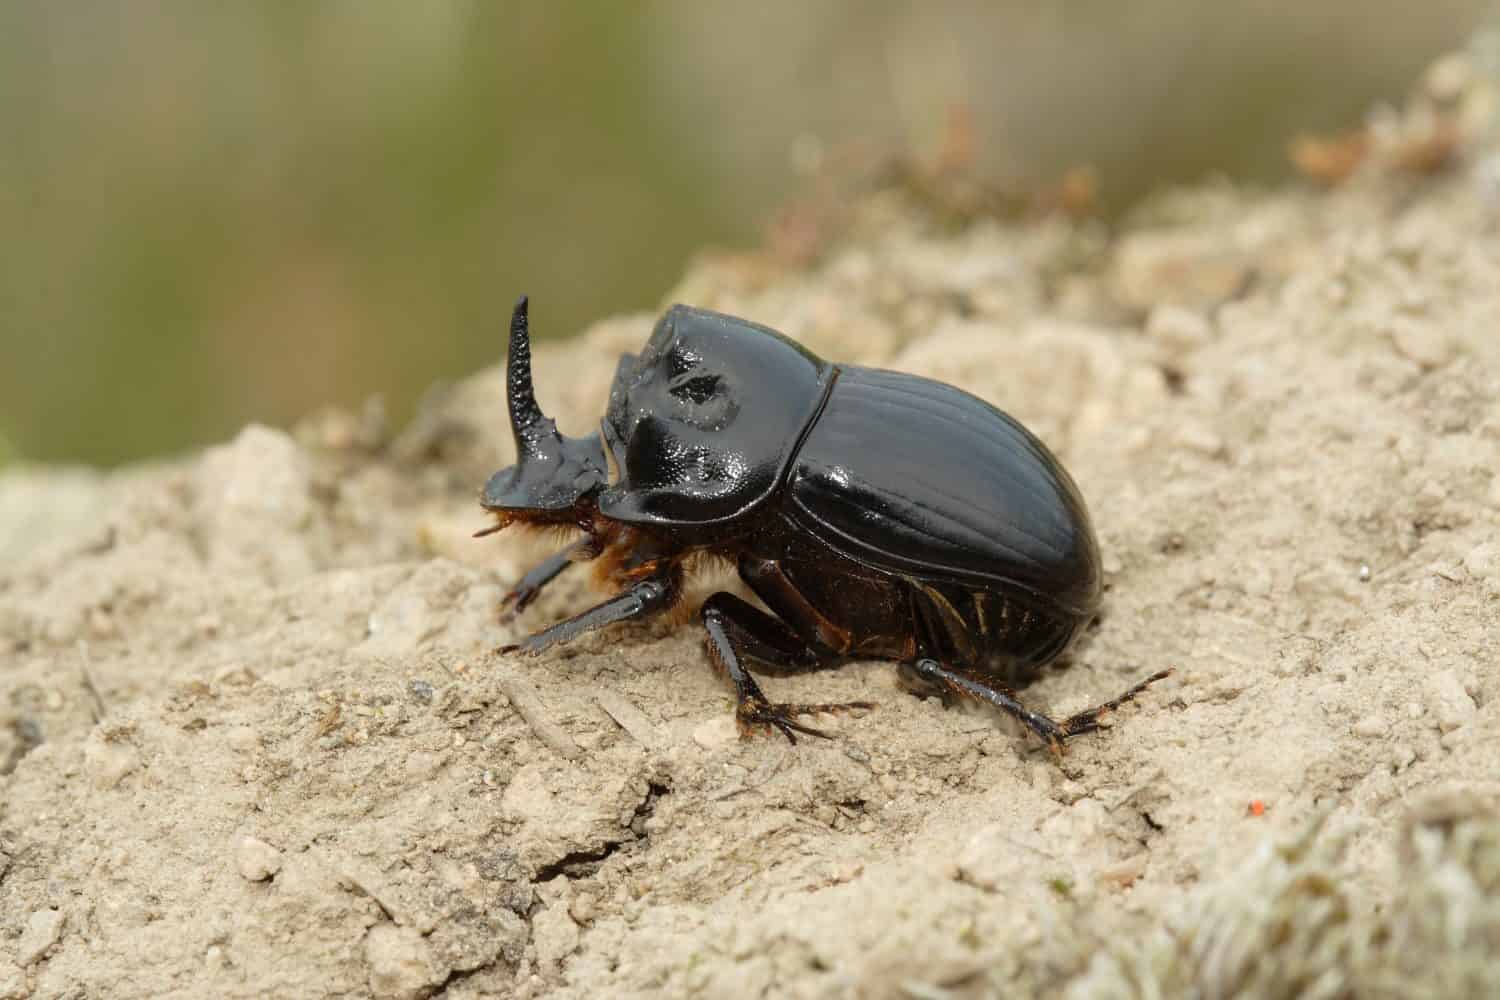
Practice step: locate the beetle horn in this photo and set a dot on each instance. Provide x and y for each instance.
(553, 473)
(525, 414)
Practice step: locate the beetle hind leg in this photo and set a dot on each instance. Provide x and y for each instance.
(734, 626)
(1053, 733)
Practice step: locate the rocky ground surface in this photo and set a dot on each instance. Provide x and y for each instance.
(255, 739)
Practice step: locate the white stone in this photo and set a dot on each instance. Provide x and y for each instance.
(400, 961)
(1483, 564)
(256, 859)
(717, 732)
(43, 930)
(1198, 437)
(109, 763)
(1422, 343)
(1178, 328)
(554, 934)
(1450, 703)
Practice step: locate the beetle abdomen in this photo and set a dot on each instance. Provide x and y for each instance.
(921, 479)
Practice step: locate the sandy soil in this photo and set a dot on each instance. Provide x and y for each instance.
(254, 739)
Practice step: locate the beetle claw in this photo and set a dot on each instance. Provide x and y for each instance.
(782, 717)
(769, 718)
(517, 601)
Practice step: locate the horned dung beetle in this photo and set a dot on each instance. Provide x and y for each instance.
(876, 514)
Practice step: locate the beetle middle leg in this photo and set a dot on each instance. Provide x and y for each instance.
(734, 626)
(1053, 733)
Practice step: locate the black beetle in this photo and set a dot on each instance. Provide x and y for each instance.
(877, 514)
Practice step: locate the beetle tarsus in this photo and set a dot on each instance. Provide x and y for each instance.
(759, 714)
(725, 615)
(1087, 721)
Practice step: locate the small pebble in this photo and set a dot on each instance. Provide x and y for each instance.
(1423, 343)
(1124, 874)
(1449, 77)
(101, 624)
(241, 738)
(256, 859)
(401, 963)
(1370, 727)
(1431, 496)
(554, 935)
(1483, 564)
(1451, 704)
(423, 765)
(1178, 328)
(582, 908)
(109, 763)
(1199, 437)
(716, 732)
(1192, 270)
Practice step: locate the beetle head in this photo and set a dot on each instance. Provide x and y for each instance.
(554, 475)
(702, 422)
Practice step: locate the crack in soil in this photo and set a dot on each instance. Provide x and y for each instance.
(582, 864)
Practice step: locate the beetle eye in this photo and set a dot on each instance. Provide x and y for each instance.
(696, 388)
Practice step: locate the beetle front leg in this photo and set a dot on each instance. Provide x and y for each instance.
(730, 622)
(530, 586)
(651, 596)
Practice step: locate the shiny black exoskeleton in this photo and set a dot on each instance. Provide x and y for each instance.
(876, 514)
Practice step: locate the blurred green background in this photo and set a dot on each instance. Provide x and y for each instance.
(211, 213)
